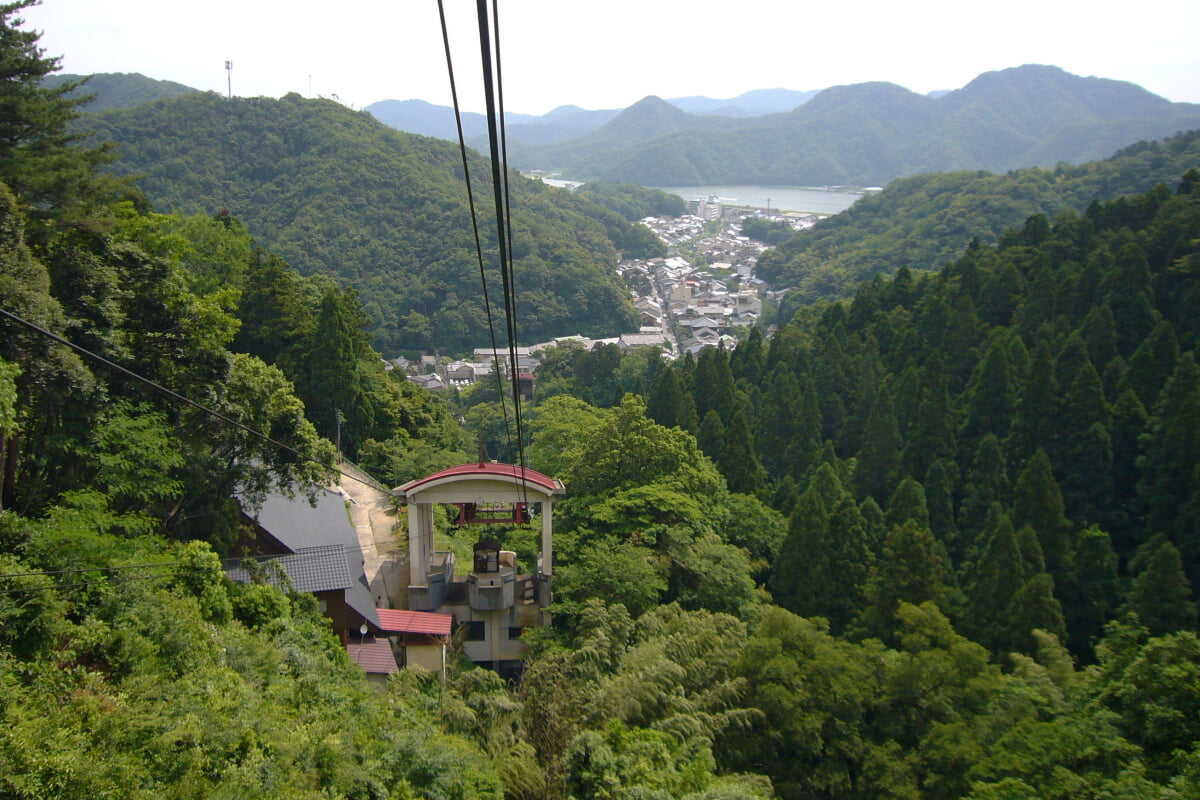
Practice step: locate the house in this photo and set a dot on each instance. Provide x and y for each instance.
(630, 340)
(312, 546)
(421, 637)
(431, 382)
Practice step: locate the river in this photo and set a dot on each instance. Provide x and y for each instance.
(781, 198)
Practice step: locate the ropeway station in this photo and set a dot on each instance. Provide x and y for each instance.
(494, 601)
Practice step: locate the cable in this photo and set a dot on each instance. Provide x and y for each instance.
(172, 393)
(502, 218)
(56, 586)
(511, 271)
(462, 145)
(92, 569)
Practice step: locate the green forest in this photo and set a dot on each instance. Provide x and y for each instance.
(937, 541)
(337, 193)
(926, 221)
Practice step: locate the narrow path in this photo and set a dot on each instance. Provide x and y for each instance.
(384, 558)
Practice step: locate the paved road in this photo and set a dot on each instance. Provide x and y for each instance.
(385, 556)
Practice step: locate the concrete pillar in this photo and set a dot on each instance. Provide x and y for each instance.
(418, 549)
(547, 544)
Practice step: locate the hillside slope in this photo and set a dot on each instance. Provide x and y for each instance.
(337, 192)
(926, 221)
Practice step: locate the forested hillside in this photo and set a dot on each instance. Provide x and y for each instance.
(936, 542)
(869, 134)
(927, 221)
(109, 90)
(335, 192)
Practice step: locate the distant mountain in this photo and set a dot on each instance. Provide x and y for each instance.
(868, 134)
(750, 104)
(120, 89)
(426, 119)
(336, 192)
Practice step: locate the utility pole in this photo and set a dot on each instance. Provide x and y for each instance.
(229, 75)
(340, 419)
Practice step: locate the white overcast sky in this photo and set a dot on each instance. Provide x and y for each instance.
(611, 54)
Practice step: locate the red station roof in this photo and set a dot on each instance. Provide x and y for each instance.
(486, 469)
(424, 622)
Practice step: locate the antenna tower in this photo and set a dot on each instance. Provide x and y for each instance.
(229, 76)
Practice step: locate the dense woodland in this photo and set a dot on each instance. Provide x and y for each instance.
(335, 192)
(936, 542)
(927, 221)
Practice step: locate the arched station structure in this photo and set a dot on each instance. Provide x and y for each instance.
(494, 600)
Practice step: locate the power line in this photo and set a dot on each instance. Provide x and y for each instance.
(462, 146)
(503, 215)
(57, 586)
(176, 395)
(93, 569)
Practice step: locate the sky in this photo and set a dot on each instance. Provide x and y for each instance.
(614, 53)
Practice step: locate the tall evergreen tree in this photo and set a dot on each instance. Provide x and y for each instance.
(995, 580)
(777, 417)
(1035, 423)
(1152, 363)
(1170, 483)
(910, 571)
(824, 560)
(738, 462)
(992, 399)
(1161, 593)
(1034, 607)
(335, 388)
(879, 458)
(42, 157)
(712, 435)
(907, 503)
(665, 399)
(1038, 503)
(1089, 592)
(987, 483)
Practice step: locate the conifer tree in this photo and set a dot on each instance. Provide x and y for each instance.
(1152, 363)
(939, 485)
(907, 503)
(777, 419)
(987, 483)
(1089, 591)
(1038, 504)
(996, 578)
(1129, 424)
(1161, 593)
(992, 399)
(932, 433)
(824, 560)
(1100, 335)
(911, 571)
(1170, 483)
(738, 462)
(1034, 607)
(879, 458)
(1131, 297)
(1035, 425)
(335, 384)
(1071, 359)
(665, 399)
(712, 435)
(42, 157)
